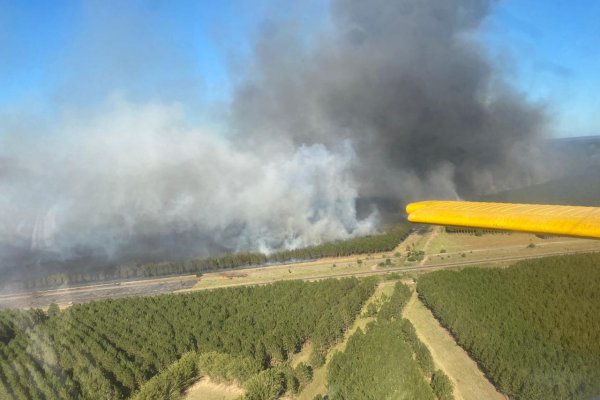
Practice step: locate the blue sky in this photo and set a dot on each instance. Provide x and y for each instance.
(552, 49)
(45, 45)
(54, 53)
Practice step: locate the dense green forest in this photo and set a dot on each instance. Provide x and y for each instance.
(361, 245)
(110, 349)
(534, 328)
(387, 361)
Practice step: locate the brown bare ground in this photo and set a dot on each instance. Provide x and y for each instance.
(206, 389)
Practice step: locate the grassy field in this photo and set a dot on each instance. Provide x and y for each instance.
(205, 389)
(448, 247)
(469, 381)
(321, 268)
(319, 383)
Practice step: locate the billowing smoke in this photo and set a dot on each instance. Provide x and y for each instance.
(407, 82)
(133, 182)
(394, 98)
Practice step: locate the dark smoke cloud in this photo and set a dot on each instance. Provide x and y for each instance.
(395, 98)
(409, 85)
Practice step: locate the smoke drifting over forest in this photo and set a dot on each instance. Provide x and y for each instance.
(396, 99)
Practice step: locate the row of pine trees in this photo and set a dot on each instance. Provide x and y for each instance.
(109, 349)
(387, 361)
(534, 328)
(361, 245)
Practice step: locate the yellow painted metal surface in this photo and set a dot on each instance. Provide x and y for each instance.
(535, 218)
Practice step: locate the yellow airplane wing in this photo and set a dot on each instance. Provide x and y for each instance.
(534, 218)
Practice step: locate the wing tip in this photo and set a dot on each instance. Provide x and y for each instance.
(412, 207)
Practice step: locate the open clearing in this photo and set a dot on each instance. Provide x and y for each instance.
(451, 246)
(318, 385)
(469, 381)
(305, 270)
(205, 389)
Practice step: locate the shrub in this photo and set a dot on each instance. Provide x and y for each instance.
(304, 373)
(424, 359)
(442, 386)
(371, 310)
(290, 379)
(422, 354)
(224, 367)
(316, 359)
(393, 308)
(169, 383)
(267, 385)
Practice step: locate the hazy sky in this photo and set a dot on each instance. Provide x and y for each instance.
(62, 53)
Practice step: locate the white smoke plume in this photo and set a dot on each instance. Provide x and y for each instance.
(132, 180)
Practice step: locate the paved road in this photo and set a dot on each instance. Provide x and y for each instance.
(80, 294)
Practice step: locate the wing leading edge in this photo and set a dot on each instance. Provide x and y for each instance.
(534, 218)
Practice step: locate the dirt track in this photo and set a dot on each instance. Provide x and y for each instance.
(469, 382)
(434, 232)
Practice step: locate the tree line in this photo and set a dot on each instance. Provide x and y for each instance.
(533, 327)
(109, 349)
(361, 245)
